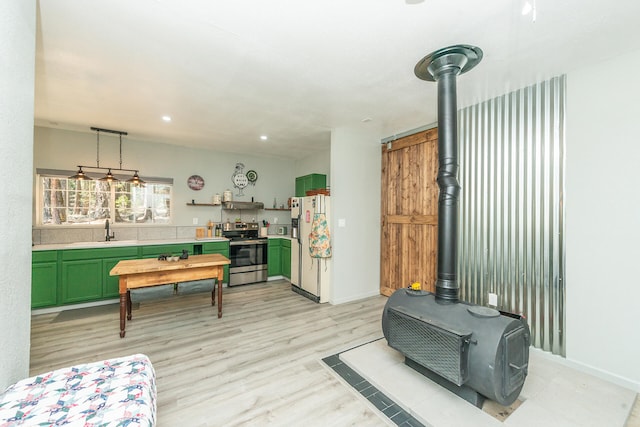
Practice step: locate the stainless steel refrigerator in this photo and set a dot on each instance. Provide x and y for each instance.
(310, 275)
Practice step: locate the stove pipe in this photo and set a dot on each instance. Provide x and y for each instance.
(443, 66)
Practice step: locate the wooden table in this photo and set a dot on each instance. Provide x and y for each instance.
(142, 273)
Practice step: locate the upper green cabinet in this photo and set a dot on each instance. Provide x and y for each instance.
(312, 181)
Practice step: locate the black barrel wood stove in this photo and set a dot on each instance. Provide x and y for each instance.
(475, 351)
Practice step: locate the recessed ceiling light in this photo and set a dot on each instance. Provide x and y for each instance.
(366, 119)
(166, 119)
(263, 137)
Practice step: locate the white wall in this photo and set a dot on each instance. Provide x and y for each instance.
(62, 149)
(317, 163)
(17, 53)
(603, 218)
(355, 198)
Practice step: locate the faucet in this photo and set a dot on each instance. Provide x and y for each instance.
(107, 236)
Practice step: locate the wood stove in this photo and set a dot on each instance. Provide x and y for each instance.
(475, 351)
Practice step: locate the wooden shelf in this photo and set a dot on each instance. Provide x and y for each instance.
(211, 204)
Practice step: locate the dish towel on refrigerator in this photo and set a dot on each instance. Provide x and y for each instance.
(320, 238)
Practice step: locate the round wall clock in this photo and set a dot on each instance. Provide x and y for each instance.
(195, 182)
(252, 176)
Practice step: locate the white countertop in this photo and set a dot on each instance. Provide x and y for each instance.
(279, 236)
(120, 243)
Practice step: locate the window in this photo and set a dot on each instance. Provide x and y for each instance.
(65, 201)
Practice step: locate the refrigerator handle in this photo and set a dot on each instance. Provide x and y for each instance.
(299, 227)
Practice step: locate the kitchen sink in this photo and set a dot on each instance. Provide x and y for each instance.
(102, 243)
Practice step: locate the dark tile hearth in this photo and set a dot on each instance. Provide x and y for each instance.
(381, 401)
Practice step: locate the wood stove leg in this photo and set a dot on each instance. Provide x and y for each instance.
(123, 310)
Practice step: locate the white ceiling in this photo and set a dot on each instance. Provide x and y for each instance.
(230, 71)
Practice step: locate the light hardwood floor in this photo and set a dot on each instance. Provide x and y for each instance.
(258, 365)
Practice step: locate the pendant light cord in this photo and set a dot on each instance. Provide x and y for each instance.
(98, 149)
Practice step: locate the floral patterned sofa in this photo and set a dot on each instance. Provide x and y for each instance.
(114, 392)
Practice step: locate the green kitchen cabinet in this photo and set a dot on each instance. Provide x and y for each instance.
(44, 279)
(85, 273)
(111, 284)
(153, 251)
(274, 257)
(81, 280)
(312, 181)
(221, 248)
(286, 258)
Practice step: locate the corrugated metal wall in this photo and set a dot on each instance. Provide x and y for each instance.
(511, 209)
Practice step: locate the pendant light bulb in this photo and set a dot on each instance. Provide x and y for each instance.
(136, 180)
(108, 177)
(80, 175)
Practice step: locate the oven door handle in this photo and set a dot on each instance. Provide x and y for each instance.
(248, 242)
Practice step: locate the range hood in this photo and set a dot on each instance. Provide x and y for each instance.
(242, 205)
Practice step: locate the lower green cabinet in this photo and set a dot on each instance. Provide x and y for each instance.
(221, 248)
(74, 276)
(44, 283)
(81, 280)
(111, 284)
(153, 251)
(279, 257)
(286, 258)
(85, 273)
(274, 257)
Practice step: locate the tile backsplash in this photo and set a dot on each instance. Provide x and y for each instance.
(45, 236)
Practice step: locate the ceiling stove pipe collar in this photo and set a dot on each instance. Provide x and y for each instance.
(443, 66)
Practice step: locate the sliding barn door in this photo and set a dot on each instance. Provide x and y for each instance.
(409, 237)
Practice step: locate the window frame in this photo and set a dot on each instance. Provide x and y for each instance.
(65, 174)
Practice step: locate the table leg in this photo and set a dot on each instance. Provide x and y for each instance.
(128, 305)
(220, 277)
(213, 291)
(123, 310)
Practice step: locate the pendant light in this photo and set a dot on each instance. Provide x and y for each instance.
(80, 175)
(109, 177)
(136, 180)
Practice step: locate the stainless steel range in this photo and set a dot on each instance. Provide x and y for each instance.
(247, 253)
